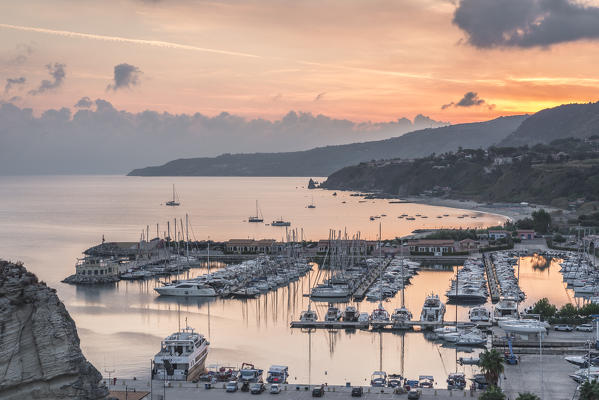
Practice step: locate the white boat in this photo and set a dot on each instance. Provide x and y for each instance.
(175, 201)
(433, 310)
(186, 289)
(522, 326)
(479, 314)
(378, 379)
(333, 314)
(182, 356)
(400, 317)
(280, 222)
(507, 308)
(379, 317)
(309, 315)
(258, 217)
(472, 338)
(329, 291)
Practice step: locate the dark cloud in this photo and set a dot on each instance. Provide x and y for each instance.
(15, 98)
(84, 102)
(58, 74)
(525, 23)
(470, 99)
(23, 51)
(10, 82)
(319, 96)
(59, 141)
(125, 76)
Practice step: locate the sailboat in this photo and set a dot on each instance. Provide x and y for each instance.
(173, 202)
(311, 205)
(379, 317)
(402, 315)
(258, 217)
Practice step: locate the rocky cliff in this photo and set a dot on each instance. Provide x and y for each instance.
(40, 357)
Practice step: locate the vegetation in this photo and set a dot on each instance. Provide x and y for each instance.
(563, 171)
(455, 234)
(491, 364)
(492, 393)
(545, 309)
(589, 391)
(567, 314)
(527, 396)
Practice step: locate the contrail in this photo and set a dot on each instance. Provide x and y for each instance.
(155, 43)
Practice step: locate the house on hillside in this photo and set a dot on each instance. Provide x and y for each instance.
(240, 246)
(432, 246)
(526, 234)
(498, 234)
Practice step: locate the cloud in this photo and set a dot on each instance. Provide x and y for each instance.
(125, 76)
(84, 102)
(319, 96)
(526, 23)
(23, 51)
(470, 99)
(59, 141)
(10, 82)
(58, 74)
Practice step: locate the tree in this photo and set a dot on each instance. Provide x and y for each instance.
(527, 396)
(492, 393)
(545, 309)
(541, 221)
(525, 223)
(491, 363)
(589, 391)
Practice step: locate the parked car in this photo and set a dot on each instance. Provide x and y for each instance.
(257, 388)
(585, 328)
(414, 394)
(563, 327)
(231, 386)
(274, 389)
(357, 391)
(318, 391)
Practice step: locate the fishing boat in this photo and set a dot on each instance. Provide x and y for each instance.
(182, 356)
(433, 310)
(280, 222)
(258, 217)
(186, 289)
(175, 201)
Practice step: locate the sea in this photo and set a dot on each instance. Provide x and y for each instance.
(48, 221)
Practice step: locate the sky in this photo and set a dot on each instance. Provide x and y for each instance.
(360, 61)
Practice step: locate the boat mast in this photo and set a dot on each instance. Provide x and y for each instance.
(173, 192)
(380, 270)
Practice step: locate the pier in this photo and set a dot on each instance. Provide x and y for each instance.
(368, 280)
(492, 281)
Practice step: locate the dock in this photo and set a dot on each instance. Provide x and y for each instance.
(368, 280)
(492, 281)
(366, 325)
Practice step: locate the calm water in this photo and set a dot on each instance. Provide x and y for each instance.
(47, 221)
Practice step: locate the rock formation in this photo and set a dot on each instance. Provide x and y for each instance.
(40, 357)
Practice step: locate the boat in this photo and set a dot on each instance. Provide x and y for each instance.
(350, 314)
(186, 289)
(182, 356)
(378, 379)
(277, 374)
(258, 217)
(333, 314)
(468, 360)
(280, 222)
(329, 291)
(249, 373)
(309, 315)
(433, 310)
(379, 318)
(479, 314)
(507, 308)
(174, 202)
(400, 317)
(311, 205)
(456, 380)
(472, 338)
(410, 218)
(522, 326)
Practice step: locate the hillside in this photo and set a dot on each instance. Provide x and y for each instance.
(568, 120)
(565, 170)
(323, 161)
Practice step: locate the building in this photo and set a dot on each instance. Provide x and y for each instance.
(239, 246)
(496, 234)
(526, 234)
(432, 246)
(468, 244)
(356, 246)
(96, 266)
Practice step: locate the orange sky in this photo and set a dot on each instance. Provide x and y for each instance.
(362, 60)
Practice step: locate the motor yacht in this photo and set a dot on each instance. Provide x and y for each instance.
(479, 314)
(507, 308)
(309, 315)
(433, 310)
(400, 317)
(182, 356)
(186, 289)
(379, 317)
(280, 222)
(350, 314)
(333, 314)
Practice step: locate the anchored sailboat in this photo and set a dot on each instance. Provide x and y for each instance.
(175, 201)
(258, 217)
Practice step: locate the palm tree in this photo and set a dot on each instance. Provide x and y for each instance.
(491, 363)
(492, 393)
(527, 396)
(589, 391)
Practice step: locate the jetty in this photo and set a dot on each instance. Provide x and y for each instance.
(492, 280)
(368, 280)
